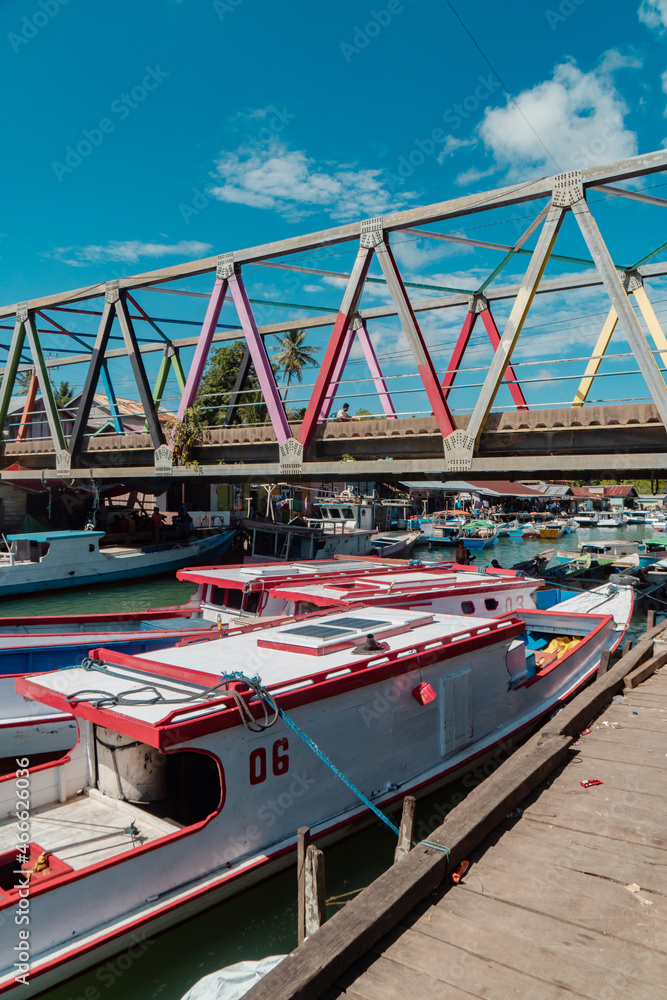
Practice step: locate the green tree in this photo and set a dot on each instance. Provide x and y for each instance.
(292, 355)
(64, 394)
(217, 384)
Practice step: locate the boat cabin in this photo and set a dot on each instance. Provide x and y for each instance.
(35, 546)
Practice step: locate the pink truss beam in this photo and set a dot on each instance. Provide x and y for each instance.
(260, 360)
(376, 373)
(374, 368)
(203, 346)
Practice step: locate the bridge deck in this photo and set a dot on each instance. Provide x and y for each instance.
(569, 900)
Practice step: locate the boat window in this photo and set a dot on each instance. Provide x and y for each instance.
(319, 631)
(250, 603)
(348, 513)
(227, 598)
(467, 607)
(490, 603)
(192, 787)
(334, 512)
(305, 607)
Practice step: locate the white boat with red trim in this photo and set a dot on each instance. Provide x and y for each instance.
(189, 782)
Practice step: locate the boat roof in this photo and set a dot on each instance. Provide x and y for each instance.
(49, 536)
(298, 659)
(250, 573)
(397, 584)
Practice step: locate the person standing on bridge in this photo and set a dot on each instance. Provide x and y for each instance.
(343, 414)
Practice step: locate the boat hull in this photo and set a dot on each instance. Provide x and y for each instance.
(136, 894)
(73, 572)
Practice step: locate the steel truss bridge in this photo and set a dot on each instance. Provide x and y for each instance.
(578, 438)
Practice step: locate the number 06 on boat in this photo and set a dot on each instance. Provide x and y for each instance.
(186, 784)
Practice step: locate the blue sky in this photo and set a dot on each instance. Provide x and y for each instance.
(149, 133)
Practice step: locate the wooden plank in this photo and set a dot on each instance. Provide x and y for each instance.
(605, 747)
(575, 716)
(654, 857)
(456, 967)
(623, 920)
(314, 967)
(499, 933)
(380, 978)
(606, 862)
(597, 894)
(640, 674)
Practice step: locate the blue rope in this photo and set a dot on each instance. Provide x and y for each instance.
(437, 847)
(323, 757)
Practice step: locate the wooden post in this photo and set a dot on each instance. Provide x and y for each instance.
(316, 896)
(302, 842)
(650, 619)
(605, 657)
(627, 646)
(406, 829)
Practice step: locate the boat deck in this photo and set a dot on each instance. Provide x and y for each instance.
(565, 900)
(88, 828)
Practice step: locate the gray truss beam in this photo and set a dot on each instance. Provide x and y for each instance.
(139, 372)
(460, 445)
(514, 194)
(92, 378)
(621, 302)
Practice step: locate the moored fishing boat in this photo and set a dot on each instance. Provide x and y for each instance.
(227, 596)
(49, 560)
(155, 855)
(553, 529)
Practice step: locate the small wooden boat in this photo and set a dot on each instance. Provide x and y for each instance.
(52, 560)
(553, 529)
(535, 566)
(195, 790)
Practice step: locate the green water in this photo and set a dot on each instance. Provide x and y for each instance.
(262, 921)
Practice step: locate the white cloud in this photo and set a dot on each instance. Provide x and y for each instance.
(292, 184)
(473, 175)
(570, 121)
(452, 144)
(653, 13)
(126, 251)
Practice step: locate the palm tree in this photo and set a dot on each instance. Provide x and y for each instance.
(64, 394)
(292, 356)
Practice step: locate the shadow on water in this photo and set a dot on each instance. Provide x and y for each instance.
(261, 921)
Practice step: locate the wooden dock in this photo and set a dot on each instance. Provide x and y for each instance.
(566, 894)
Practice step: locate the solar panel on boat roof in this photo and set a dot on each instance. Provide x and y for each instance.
(359, 624)
(318, 631)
